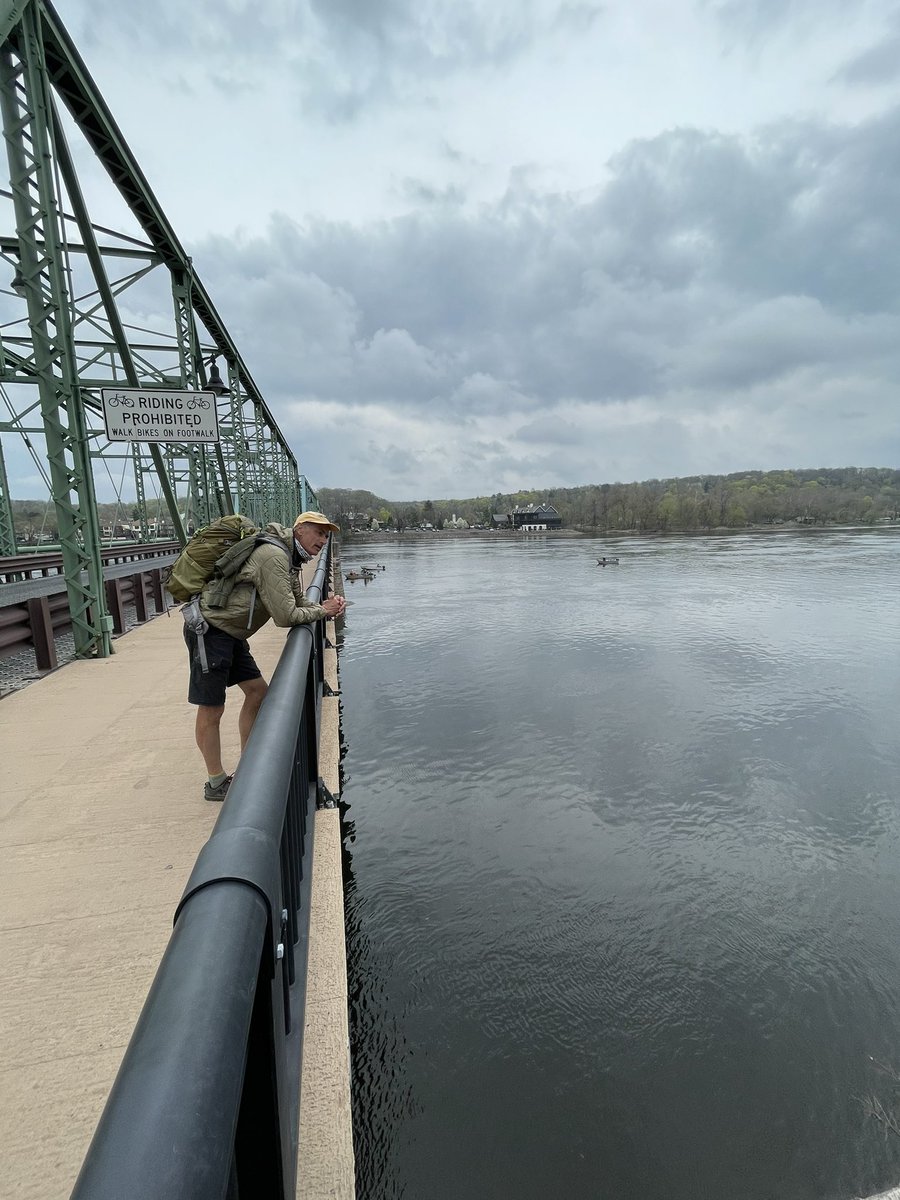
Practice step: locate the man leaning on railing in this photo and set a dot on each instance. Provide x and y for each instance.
(268, 586)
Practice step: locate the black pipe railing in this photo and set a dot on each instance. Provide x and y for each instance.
(206, 1102)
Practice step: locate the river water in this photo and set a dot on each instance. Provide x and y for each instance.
(623, 866)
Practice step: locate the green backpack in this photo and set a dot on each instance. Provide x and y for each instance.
(217, 552)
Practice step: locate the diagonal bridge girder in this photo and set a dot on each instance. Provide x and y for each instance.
(64, 331)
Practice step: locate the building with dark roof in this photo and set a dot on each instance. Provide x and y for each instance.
(536, 516)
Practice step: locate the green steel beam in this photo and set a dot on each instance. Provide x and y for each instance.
(7, 527)
(74, 340)
(107, 299)
(25, 100)
(77, 90)
(11, 12)
(237, 459)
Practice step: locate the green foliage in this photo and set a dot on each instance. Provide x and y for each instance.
(820, 496)
(35, 520)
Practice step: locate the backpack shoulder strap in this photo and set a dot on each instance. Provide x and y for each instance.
(230, 563)
(235, 556)
(272, 541)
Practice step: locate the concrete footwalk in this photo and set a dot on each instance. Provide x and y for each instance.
(101, 820)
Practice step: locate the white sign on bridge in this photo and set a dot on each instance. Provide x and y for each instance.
(142, 415)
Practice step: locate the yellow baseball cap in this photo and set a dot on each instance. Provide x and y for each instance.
(316, 518)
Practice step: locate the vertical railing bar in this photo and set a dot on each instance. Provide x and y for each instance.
(290, 835)
(297, 834)
(289, 936)
(297, 806)
(311, 705)
(302, 786)
(288, 973)
(291, 932)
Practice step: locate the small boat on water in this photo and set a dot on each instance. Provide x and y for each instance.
(372, 570)
(353, 575)
(607, 562)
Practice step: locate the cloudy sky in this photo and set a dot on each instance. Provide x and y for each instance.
(483, 245)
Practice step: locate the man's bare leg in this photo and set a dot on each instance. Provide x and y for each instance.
(209, 741)
(254, 693)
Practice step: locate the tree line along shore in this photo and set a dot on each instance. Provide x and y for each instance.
(825, 496)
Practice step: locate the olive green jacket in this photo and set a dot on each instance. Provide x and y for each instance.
(267, 585)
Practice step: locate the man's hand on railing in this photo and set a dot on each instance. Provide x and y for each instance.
(334, 605)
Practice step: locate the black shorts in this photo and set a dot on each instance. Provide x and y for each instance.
(229, 660)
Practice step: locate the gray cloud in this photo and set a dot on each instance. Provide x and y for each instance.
(806, 208)
(339, 57)
(399, 50)
(436, 36)
(550, 431)
(758, 19)
(192, 33)
(877, 65)
(710, 300)
(577, 18)
(721, 303)
(418, 192)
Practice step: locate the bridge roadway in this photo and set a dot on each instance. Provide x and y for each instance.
(101, 819)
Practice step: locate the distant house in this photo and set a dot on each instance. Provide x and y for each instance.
(536, 517)
(500, 520)
(121, 531)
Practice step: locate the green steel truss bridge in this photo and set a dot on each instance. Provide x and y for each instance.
(74, 294)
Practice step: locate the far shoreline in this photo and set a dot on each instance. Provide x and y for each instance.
(390, 535)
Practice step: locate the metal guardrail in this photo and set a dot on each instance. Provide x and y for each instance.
(49, 563)
(34, 606)
(206, 1102)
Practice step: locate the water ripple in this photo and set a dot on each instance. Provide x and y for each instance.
(624, 871)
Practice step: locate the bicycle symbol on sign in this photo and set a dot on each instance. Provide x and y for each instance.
(196, 402)
(119, 398)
